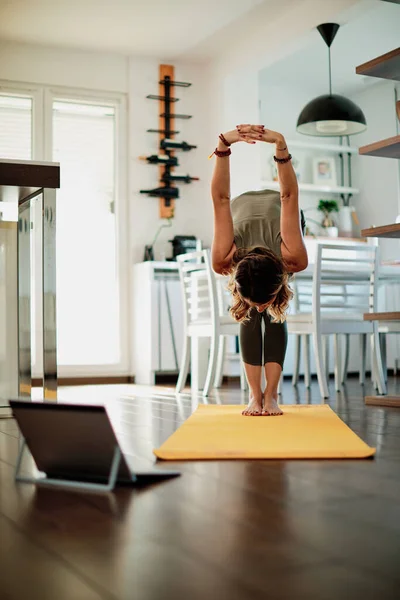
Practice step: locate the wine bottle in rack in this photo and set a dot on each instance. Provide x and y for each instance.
(167, 144)
(162, 159)
(178, 177)
(162, 192)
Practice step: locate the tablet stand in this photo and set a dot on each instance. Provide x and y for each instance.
(65, 483)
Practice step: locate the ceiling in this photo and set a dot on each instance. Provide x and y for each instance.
(152, 28)
(363, 35)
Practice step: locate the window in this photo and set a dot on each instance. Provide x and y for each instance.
(84, 142)
(15, 138)
(84, 134)
(15, 127)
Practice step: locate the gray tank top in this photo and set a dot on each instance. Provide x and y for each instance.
(256, 220)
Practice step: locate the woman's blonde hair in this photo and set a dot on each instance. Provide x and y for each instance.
(259, 275)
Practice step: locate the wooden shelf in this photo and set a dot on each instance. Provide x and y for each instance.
(387, 231)
(389, 148)
(310, 187)
(386, 66)
(382, 316)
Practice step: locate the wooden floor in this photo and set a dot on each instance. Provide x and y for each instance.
(224, 530)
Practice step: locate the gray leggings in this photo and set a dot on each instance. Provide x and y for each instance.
(251, 343)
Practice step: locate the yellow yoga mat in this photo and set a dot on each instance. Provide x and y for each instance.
(216, 432)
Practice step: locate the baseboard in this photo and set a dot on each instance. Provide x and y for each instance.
(354, 375)
(5, 413)
(88, 380)
(164, 378)
(169, 378)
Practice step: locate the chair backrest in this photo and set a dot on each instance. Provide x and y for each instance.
(199, 288)
(224, 296)
(344, 280)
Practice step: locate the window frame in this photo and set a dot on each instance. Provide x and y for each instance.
(42, 133)
(12, 88)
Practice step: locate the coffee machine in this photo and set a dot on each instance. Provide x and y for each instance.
(182, 244)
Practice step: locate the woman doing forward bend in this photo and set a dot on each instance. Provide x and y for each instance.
(258, 240)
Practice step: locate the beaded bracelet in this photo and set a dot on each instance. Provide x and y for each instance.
(283, 160)
(223, 140)
(221, 153)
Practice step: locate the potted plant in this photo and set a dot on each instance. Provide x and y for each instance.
(327, 207)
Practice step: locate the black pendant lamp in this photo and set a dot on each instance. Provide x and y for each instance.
(331, 115)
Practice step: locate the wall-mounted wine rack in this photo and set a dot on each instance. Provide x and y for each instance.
(166, 158)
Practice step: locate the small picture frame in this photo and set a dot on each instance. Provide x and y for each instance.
(324, 171)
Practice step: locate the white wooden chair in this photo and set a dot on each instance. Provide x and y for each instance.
(343, 288)
(384, 328)
(205, 315)
(300, 340)
(224, 301)
(363, 347)
(302, 343)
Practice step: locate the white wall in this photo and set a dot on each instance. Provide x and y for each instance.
(193, 210)
(377, 178)
(274, 30)
(56, 66)
(240, 105)
(280, 106)
(273, 33)
(224, 93)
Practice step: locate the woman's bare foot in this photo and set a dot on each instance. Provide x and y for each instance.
(254, 408)
(270, 406)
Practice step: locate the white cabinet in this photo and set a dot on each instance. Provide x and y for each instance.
(157, 325)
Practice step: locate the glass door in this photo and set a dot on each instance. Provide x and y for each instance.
(90, 205)
(16, 125)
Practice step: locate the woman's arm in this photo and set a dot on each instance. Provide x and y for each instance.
(223, 246)
(294, 252)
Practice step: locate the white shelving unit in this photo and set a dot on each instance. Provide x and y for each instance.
(310, 187)
(316, 148)
(335, 148)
